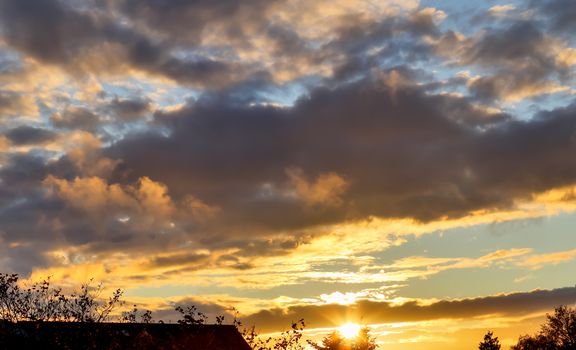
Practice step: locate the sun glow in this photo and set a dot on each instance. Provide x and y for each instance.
(349, 330)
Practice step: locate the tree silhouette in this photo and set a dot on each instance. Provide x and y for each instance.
(287, 340)
(191, 315)
(335, 341)
(558, 333)
(489, 342)
(42, 302)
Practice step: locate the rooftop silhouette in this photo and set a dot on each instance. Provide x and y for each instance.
(74, 335)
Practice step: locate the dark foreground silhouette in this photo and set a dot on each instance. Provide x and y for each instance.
(112, 336)
(40, 316)
(558, 333)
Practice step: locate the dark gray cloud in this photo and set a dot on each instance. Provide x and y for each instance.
(19, 177)
(6, 101)
(12, 104)
(148, 35)
(559, 13)
(402, 152)
(517, 43)
(401, 149)
(169, 17)
(23, 170)
(28, 135)
(32, 241)
(519, 59)
(369, 45)
(372, 312)
(202, 72)
(287, 41)
(47, 29)
(382, 139)
(181, 259)
(56, 32)
(31, 217)
(76, 119)
(129, 110)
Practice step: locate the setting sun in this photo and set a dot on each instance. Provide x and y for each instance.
(349, 330)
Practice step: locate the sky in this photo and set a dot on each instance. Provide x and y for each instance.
(407, 165)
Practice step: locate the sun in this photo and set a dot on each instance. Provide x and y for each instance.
(349, 330)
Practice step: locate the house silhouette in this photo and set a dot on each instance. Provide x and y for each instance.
(112, 336)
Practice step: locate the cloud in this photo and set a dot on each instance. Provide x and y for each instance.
(372, 312)
(501, 10)
(560, 16)
(196, 258)
(513, 89)
(83, 150)
(224, 44)
(146, 204)
(366, 150)
(23, 171)
(276, 41)
(403, 154)
(541, 260)
(435, 265)
(47, 29)
(167, 18)
(129, 110)
(325, 190)
(519, 59)
(76, 119)
(270, 130)
(13, 104)
(27, 135)
(85, 41)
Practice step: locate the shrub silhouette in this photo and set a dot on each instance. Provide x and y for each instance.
(132, 316)
(42, 302)
(558, 333)
(287, 340)
(489, 342)
(335, 341)
(191, 315)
